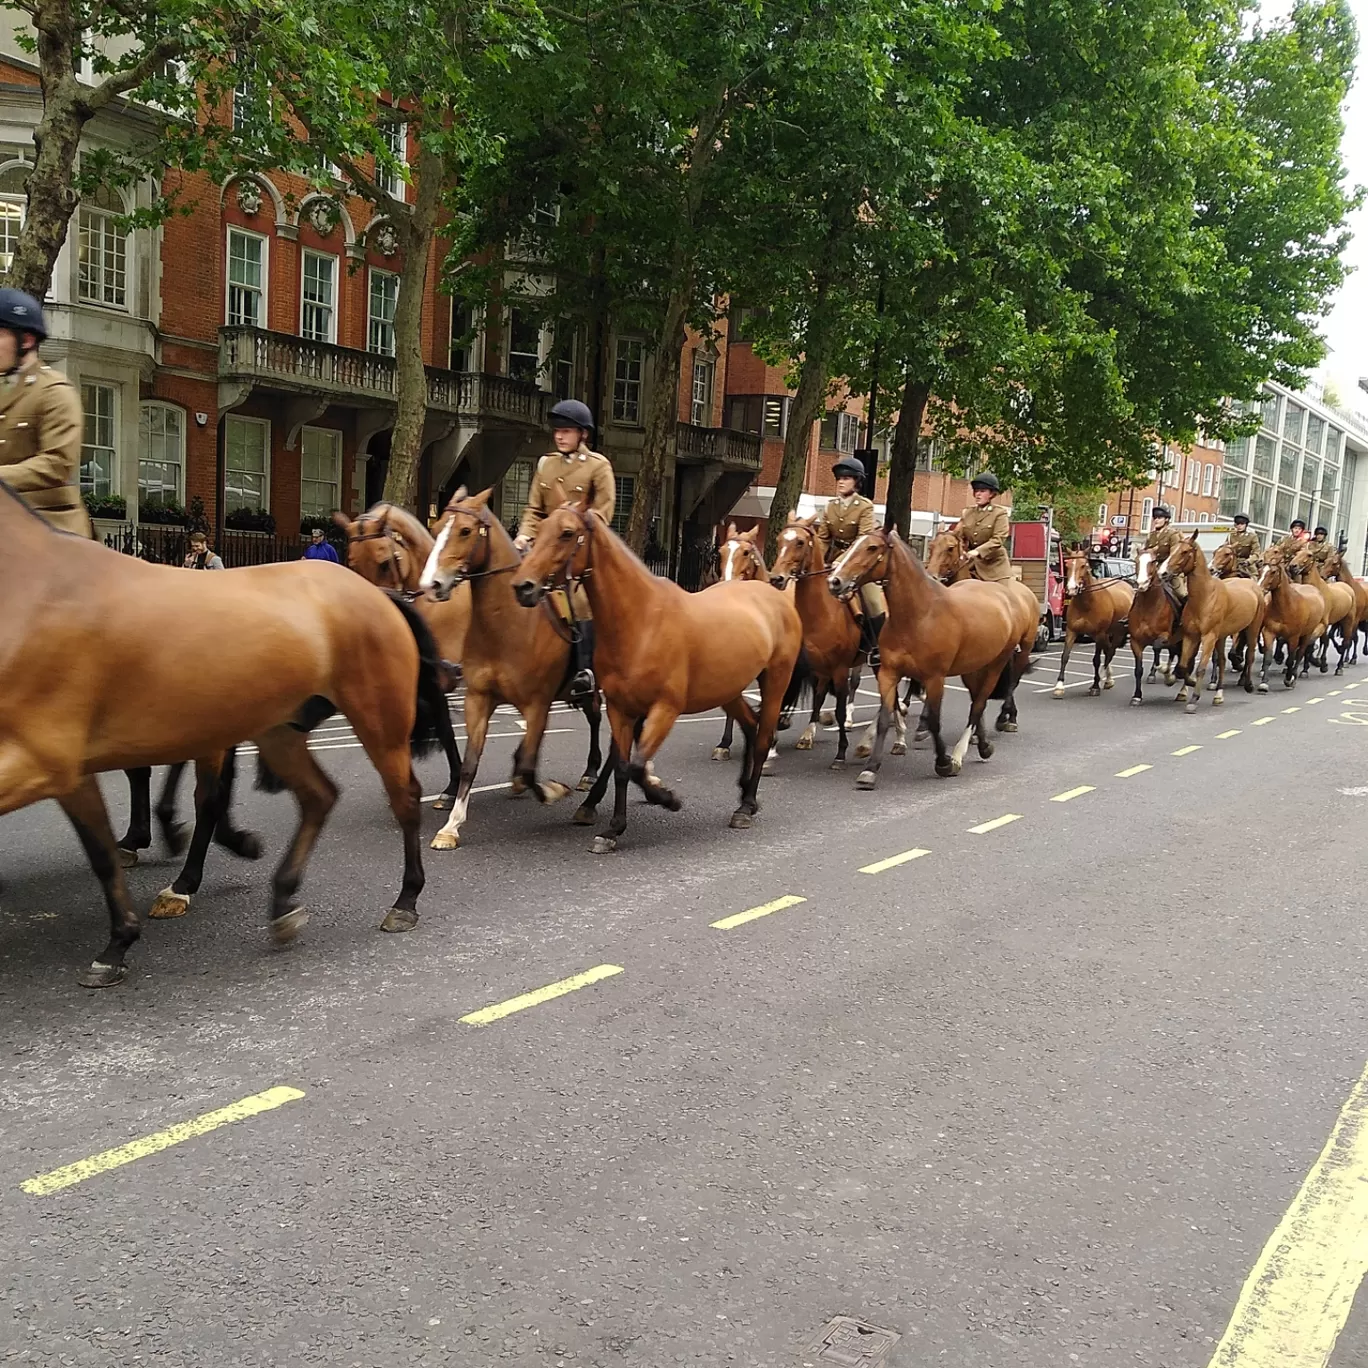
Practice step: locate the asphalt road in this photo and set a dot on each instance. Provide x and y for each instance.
(1036, 1097)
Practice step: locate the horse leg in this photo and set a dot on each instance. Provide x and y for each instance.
(479, 708)
(550, 790)
(819, 693)
(446, 734)
(1069, 638)
(899, 746)
(1185, 661)
(286, 752)
(722, 751)
(1109, 650)
(654, 729)
(139, 834)
(1263, 662)
(623, 730)
(1138, 652)
(1154, 666)
(1174, 653)
(841, 693)
(888, 705)
(246, 845)
(85, 808)
(210, 800)
(593, 713)
(1218, 664)
(1097, 669)
(175, 834)
(752, 766)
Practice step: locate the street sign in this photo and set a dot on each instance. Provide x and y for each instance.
(1119, 520)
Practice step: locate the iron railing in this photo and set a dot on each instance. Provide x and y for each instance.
(167, 544)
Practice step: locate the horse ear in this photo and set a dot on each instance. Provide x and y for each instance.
(456, 498)
(482, 498)
(748, 535)
(1193, 538)
(731, 532)
(344, 522)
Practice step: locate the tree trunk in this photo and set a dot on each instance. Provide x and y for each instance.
(416, 233)
(803, 412)
(903, 466)
(662, 411)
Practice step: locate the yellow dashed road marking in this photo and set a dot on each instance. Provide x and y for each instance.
(1334, 693)
(1262, 721)
(879, 866)
(1297, 1299)
(751, 913)
(1134, 769)
(1292, 709)
(1002, 821)
(1310, 701)
(1226, 735)
(71, 1174)
(1186, 750)
(537, 996)
(1074, 793)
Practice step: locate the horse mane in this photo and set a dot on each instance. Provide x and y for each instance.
(412, 532)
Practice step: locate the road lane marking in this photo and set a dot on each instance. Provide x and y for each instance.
(71, 1174)
(1298, 1297)
(1334, 693)
(751, 913)
(497, 1011)
(985, 827)
(1310, 701)
(1185, 750)
(1074, 793)
(1263, 721)
(1292, 709)
(879, 866)
(483, 788)
(1226, 735)
(1354, 685)
(1134, 770)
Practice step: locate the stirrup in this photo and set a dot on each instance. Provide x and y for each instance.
(582, 687)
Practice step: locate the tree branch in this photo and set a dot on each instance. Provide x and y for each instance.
(131, 77)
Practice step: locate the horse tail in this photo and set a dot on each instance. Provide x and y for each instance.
(432, 719)
(1006, 681)
(800, 686)
(267, 780)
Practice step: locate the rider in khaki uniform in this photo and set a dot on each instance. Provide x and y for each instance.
(1320, 548)
(563, 476)
(848, 516)
(40, 420)
(1245, 545)
(983, 530)
(1161, 541)
(1294, 541)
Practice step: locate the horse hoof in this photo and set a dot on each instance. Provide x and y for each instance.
(1137, 702)
(740, 820)
(1109, 683)
(1217, 700)
(985, 750)
(169, 904)
(803, 743)
(863, 751)
(1248, 686)
(127, 859)
(518, 787)
(838, 764)
(285, 928)
(1092, 692)
(587, 781)
(946, 768)
(442, 803)
(552, 791)
(1169, 681)
(584, 815)
(1058, 691)
(246, 845)
(721, 752)
(1338, 671)
(767, 767)
(102, 975)
(867, 780)
(1263, 688)
(898, 748)
(445, 840)
(399, 919)
(1191, 707)
(1325, 668)
(1008, 727)
(920, 735)
(783, 724)
(604, 845)
(828, 718)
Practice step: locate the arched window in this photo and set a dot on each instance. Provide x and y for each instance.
(13, 203)
(102, 267)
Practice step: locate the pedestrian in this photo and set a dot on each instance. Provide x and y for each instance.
(566, 475)
(40, 420)
(319, 549)
(848, 516)
(200, 557)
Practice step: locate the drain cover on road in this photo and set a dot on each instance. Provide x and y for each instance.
(853, 1343)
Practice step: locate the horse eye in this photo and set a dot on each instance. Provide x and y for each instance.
(566, 535)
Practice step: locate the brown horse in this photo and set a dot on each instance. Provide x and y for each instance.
(1336, 569)
(1215, 610)
(739, 558)
(662, 652)
(932, 633)
(1152, 622)
(511, 656)
(946, 561)
(81, 694)
(1097, 609)
(1295, 615)
(1341, 606)
(389, 547)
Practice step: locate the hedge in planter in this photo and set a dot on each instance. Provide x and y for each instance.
(250, 520)
(110, 506)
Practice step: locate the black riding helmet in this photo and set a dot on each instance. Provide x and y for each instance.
(848, 465)
(22, 313)
(1321, 532)
(987, 480)
(571, 413)
(1242, 518)
(1296, 523)
(1163, 511)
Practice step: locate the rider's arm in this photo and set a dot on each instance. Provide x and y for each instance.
(51, 466)
(822, 532)
(603, 494)
(998, 539)
(536, 506)
(866, 520)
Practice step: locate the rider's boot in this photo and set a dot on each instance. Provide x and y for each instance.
(870, 627)
(583, 685)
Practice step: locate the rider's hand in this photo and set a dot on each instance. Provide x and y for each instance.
(522, 542)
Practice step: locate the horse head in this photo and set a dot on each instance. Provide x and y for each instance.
(1224, 561)
(1078, 576)
(866, 560)
(945, 556)
(797, 546)
(1184, 558)
(739, 557)
(461, 547)
(560, 552)
(1144, 570)
(1274, 572)
(1300, 563)
(376, 550)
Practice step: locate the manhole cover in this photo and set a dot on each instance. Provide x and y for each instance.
(854, 1343)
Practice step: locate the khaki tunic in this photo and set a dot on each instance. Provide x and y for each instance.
(1162, 541)
(562, 479)
(1248, 552)
(1319, 552)
(842, 521)
(1290, 545)
(40, 446)
(986, 530)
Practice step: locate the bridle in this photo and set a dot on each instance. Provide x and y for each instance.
(390, 565)
(811, 536)
(752, 555)
(885, 545)
(484, 520)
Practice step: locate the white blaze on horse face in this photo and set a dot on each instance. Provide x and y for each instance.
(838, 570)
(1074, 583)
(435, 555)
(728, 557)
(1144, 569)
